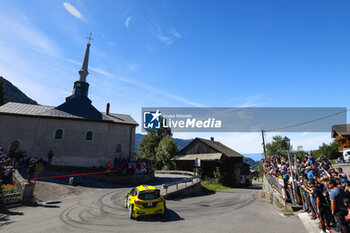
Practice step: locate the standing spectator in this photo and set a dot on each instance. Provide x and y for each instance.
(321, 206)
(49, 156)
(31, 169)
(109, 165)
(339, 211)
(341, 173)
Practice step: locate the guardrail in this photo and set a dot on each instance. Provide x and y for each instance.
(181, 184)
(175, 172)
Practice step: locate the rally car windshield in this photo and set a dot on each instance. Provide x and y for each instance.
(149, 195)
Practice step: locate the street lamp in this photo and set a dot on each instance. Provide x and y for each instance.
(287, 141)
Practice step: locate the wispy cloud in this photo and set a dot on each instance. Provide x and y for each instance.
(19, 28)
(111, 43)
(254, 101)
(127, 21)
(175, 33)
(167, 37)
(140, 85)
(73, 11)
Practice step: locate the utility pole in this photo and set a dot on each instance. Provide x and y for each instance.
(263, 143)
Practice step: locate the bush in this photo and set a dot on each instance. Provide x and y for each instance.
(218, 176)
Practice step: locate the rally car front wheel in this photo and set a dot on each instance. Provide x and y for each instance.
(131, 211)
(126, 202)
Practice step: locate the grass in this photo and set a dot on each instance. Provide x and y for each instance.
(212, 186)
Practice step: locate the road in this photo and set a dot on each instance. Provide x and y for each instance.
(235, 210)
(344, 166)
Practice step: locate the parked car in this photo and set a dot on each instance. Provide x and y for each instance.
(144, 200)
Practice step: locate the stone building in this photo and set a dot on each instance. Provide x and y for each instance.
(76, 132)
(212, 154)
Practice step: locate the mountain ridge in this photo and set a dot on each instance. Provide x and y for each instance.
(14, 94)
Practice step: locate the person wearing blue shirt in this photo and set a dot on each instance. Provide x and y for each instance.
(310, 174)
(339, 211)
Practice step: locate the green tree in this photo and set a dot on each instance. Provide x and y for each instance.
(277, 146)
(329, 150)
(150, 142)
(165, 151)
(3, 97)
(300, 153)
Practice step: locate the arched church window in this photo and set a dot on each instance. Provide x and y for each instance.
(59, 134)
(89, 136)
(119, 148)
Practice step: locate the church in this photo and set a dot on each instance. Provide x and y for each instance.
(76, 132)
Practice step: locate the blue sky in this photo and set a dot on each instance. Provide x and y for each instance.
(182, 54)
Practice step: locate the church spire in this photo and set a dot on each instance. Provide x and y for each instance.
(84, 68)
(81, 87)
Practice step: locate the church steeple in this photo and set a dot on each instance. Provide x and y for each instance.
(84, 68)
(81, 87)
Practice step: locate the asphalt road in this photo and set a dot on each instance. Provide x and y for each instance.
(235, 210)
(345, 166)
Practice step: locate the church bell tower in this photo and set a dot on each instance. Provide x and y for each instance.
(81, 87)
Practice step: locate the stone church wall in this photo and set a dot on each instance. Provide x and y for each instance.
(36, 136)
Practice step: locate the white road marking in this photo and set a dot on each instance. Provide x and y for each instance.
(310, 225)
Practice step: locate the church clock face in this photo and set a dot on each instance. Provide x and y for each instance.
(78, 84)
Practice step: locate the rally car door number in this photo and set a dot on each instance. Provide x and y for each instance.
(149, 203)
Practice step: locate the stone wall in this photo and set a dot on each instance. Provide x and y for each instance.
(21, 194)
(272, 191)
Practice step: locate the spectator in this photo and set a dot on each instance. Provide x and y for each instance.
(339, 211)
(50, 156)
(109, 166)
(31, 170)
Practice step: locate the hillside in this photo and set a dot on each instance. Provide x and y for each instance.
(14, 94)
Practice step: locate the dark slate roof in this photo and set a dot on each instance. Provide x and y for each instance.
(49, 111)
(340, 130)
(80, 106)
(206, 156)
(218, 146)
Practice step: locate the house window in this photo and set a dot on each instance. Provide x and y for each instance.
(89, 136)
(59, 134)
(119, 148)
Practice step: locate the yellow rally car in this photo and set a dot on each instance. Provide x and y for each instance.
(144, 200)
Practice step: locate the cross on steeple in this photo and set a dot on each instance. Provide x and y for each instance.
(89, 38)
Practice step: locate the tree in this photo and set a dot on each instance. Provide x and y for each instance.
(277, 147)
(3, 97)
(300, 153)
(150, 142)
(165, 151)
(329, 150)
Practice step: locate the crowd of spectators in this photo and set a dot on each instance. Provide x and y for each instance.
(323, 191)
(10, 161)
(132, 167)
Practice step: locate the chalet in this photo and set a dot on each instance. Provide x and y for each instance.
(212, 154)
(342, 134)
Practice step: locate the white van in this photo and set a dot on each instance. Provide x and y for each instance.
(346, 155)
